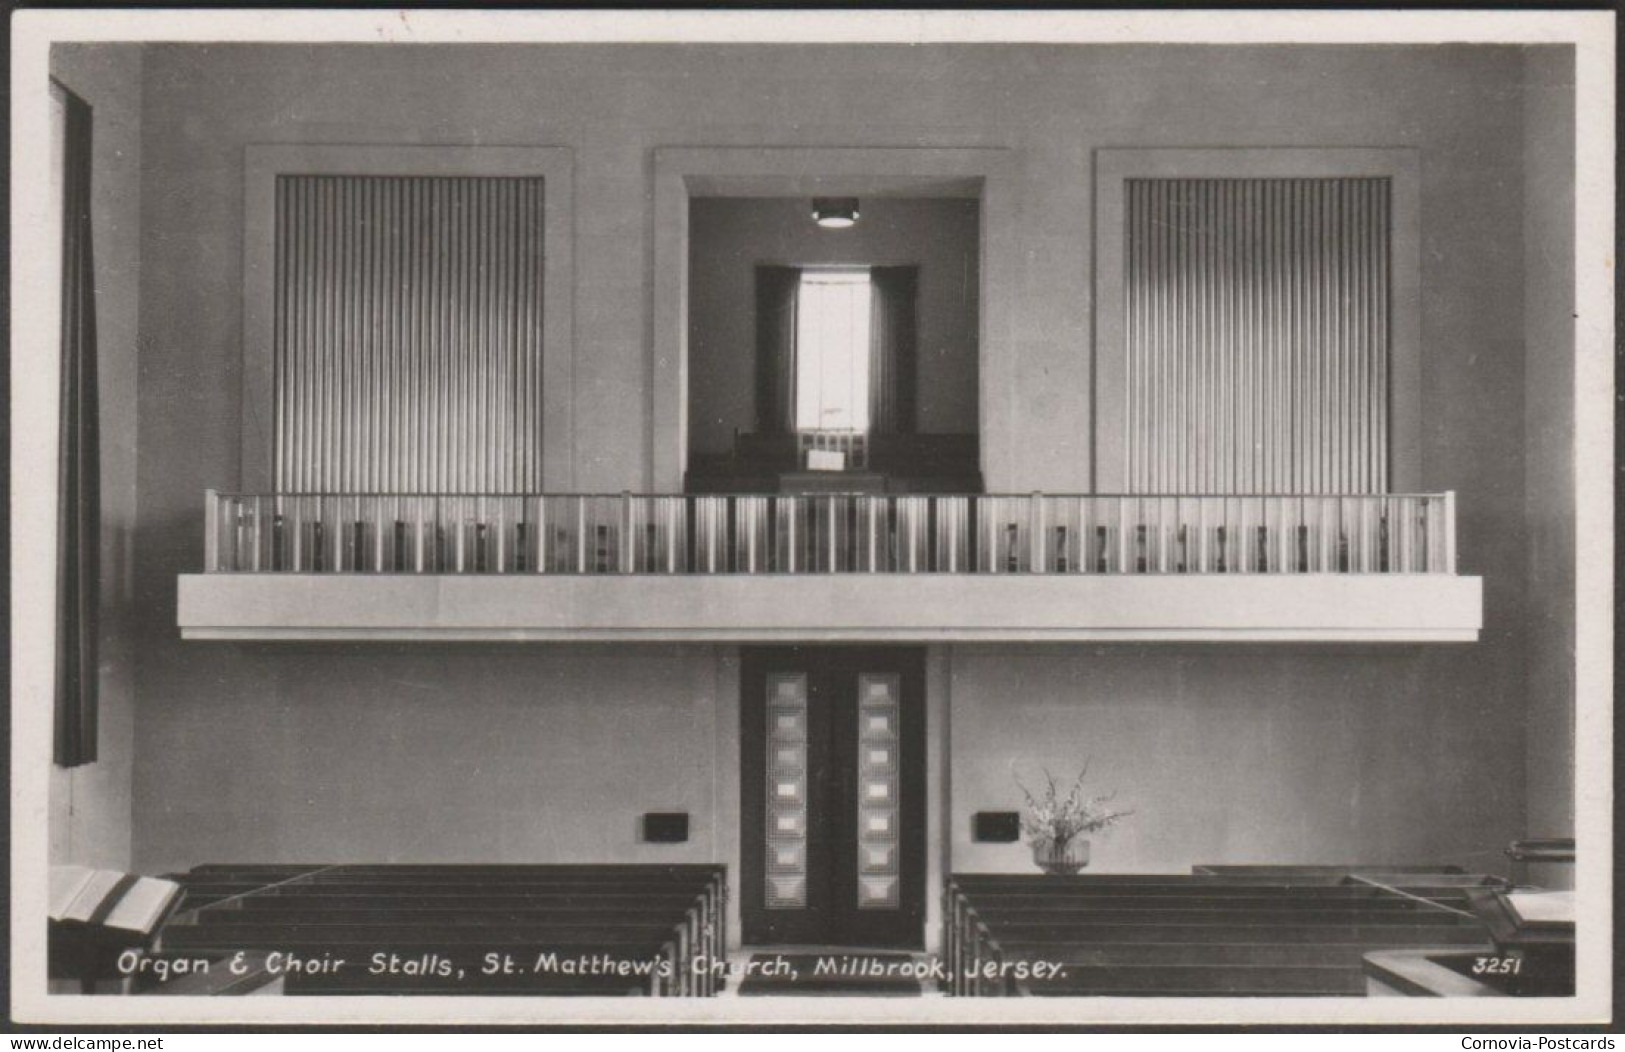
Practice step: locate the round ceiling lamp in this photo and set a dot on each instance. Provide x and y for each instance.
(835, 213)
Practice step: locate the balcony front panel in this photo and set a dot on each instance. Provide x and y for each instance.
(830, 607)
(830, 567)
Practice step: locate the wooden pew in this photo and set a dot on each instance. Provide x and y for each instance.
(606, 940)
(459, 918)
(1113, 891)
(1231, 980)
(1265, 931)
(1334, 872)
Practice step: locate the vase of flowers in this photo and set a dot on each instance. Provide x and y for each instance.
(1056, 825)
(1064, 858)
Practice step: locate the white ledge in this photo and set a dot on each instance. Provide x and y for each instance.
(832, 607)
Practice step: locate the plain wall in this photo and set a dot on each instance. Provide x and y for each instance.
(328, 754)
(1241, 754)
(90, 805)
(1548, 251)
(729, 237)
(1456, 714)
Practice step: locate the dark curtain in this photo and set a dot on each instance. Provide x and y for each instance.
(892, 351)
(78, 516)
(776, 348)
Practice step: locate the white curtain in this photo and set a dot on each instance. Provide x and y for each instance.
(832, 351)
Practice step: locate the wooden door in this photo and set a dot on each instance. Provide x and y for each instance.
(833, 796)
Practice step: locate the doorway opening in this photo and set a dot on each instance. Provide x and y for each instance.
(832, 796)
(826, 360)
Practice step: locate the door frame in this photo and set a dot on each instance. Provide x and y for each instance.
(920, 835)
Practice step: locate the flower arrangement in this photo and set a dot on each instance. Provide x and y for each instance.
(1053, 820)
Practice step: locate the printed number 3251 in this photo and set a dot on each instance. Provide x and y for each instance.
(1497, 965)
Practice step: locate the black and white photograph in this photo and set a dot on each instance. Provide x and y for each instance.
(903, 517)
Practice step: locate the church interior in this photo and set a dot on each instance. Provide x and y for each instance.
(943, 520)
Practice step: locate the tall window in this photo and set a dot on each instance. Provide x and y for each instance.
(835, 349)
(408, 334)
(1257, 335)
(832, 350)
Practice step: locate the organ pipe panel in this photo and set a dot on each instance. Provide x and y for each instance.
(408, 334)
(1257, 335)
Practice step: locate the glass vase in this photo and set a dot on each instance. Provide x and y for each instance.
(1064, 858)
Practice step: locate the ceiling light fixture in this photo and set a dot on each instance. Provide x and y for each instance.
(835, 213)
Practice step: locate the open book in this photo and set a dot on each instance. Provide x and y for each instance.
(107, 897)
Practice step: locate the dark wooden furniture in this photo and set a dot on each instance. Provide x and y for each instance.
(908, 463)
(1274, 932)
(462, 929)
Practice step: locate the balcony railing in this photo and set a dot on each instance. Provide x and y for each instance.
(830, 533)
